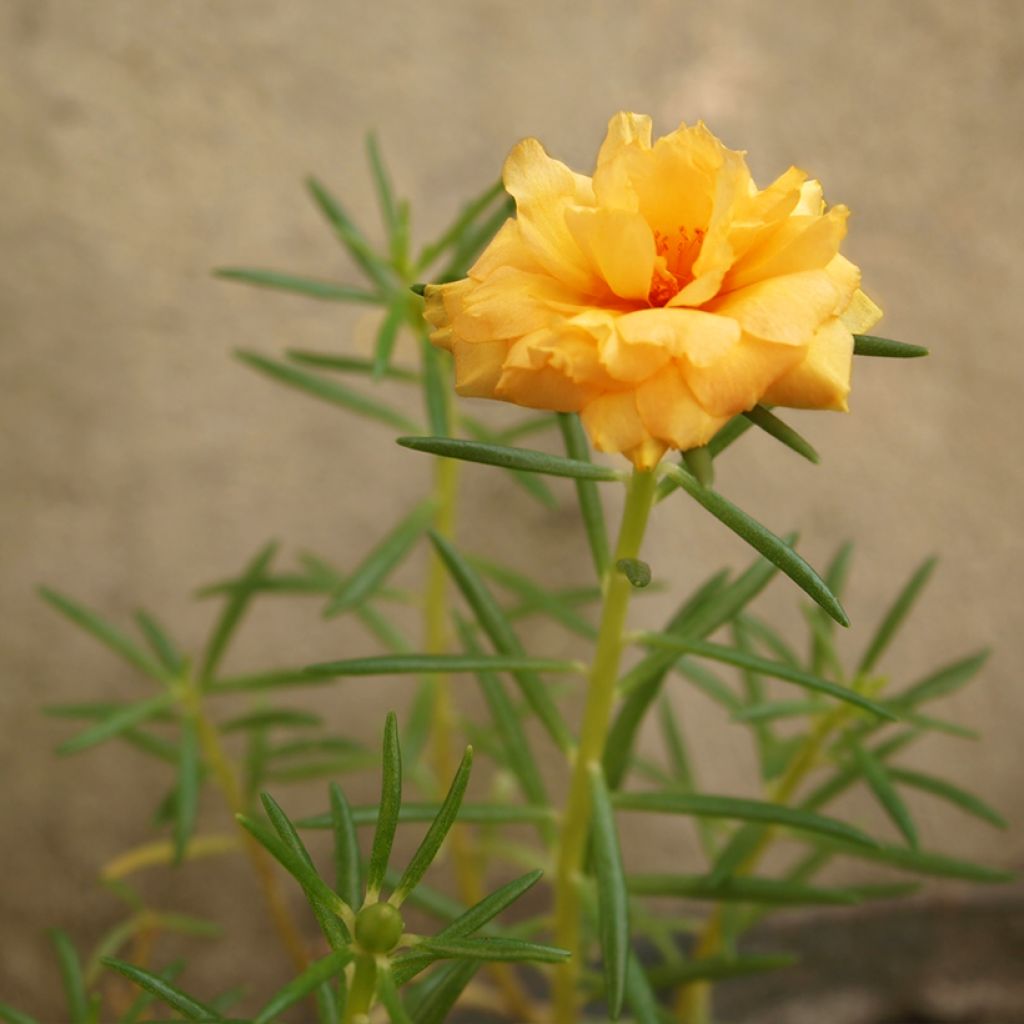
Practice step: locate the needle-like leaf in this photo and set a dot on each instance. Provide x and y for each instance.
(390, 804)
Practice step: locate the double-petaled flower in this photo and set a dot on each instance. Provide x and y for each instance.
(659, 297)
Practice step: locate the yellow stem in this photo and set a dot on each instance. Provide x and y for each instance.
(596, 717)
(227, 782)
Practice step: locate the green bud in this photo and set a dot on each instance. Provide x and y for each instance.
(379, 926)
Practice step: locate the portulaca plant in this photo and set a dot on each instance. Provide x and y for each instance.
(663, 305)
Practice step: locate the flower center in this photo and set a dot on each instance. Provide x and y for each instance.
(673, 270)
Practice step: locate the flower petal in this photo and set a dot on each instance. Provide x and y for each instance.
(478, 366)
(543, 188)
(505, 249)
(783, 309)
(738, 381)
(614, 425)
(822, 379)
(672, 414)
(620, 246)
(702, 338)
(861, 314)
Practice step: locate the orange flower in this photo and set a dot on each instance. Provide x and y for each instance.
(658, 298)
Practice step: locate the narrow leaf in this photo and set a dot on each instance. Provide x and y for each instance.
(894, 617)
(775, 669)
(739, 889)
(234, 609)
(920, 862)
(876, 777)
(267, 717)
(643, 1003)
(947, 791)
(162, 645)
(382, 184)
(12, 1016)
(348, 364)
(327, 390)
(186, 804)
(489, 907)
(439, 829)
(387, 992)
(311, 288)
(381, 561)
(493, 948)
(320, 971)
(441, 991)
(350, 236)
(191, 1008)
(117, 723)
(436, 387)
(534, 484)
(390, 804)
(348, 868)
(762, 417)
(525, 459)
(104, 632)
(386, 338)
(763, 540)
(398, 664)
(503, 637)
(470, 814)
(738, 808)
(717, 969)
(591, 508)
(871, 345)
(612, 897)
(457, 229)
(940, 683)
(71, 976)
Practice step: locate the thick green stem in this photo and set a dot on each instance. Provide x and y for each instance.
(361, 990)
(596, 716)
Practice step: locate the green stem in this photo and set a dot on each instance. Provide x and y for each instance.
(361, 991)
(596, 716)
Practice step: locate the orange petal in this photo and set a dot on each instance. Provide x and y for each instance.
(739, 380)
(702, 338)
(861, 314)
(478, 366)
(786, 309)
(671, 413)
(543, 189)
(620, 246)
(614, 425)
(505, 249)
(822, 379)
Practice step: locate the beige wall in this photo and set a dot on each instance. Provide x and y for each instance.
(146, 143)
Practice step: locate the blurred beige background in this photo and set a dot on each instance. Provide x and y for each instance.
(146, 143)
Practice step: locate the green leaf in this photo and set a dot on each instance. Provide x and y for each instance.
(775, 669)
(311, 288)
(191, 1008)
(876, 777)
(492, 948)
(387, 336)
(71, 976)
(940, 683)
(381, 561)
(871, 345)
(348, 868)
(398, 664)
(471, 814)
(894, 617)
(145, 999)
(320, 971)
(459, 226)
(947, 791)
(439, 829)
(162, 645)
(12, 1016)
(327, 390)
(769, 710)
(387, 992)
(738, 808)
(533, 484)
(919, 862)
(526, 459)
(117, 723)
(351, 237)
(643, 1003)
(612, 897)
(717, 969)
(436, 387)
(325, 911)
(591, 509)
(822, 650)
(763, 540)
(267, 717)
(382, 184)
(762, 417)
(104, 632)
(234, 609)
(536, 596)
(390, 804)
(741, 889)
(699, 463)
(472, 241)
(518, 756)
(503, 637)
(186, 804)
(349, 364)
(441, 991)
(489, 907)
